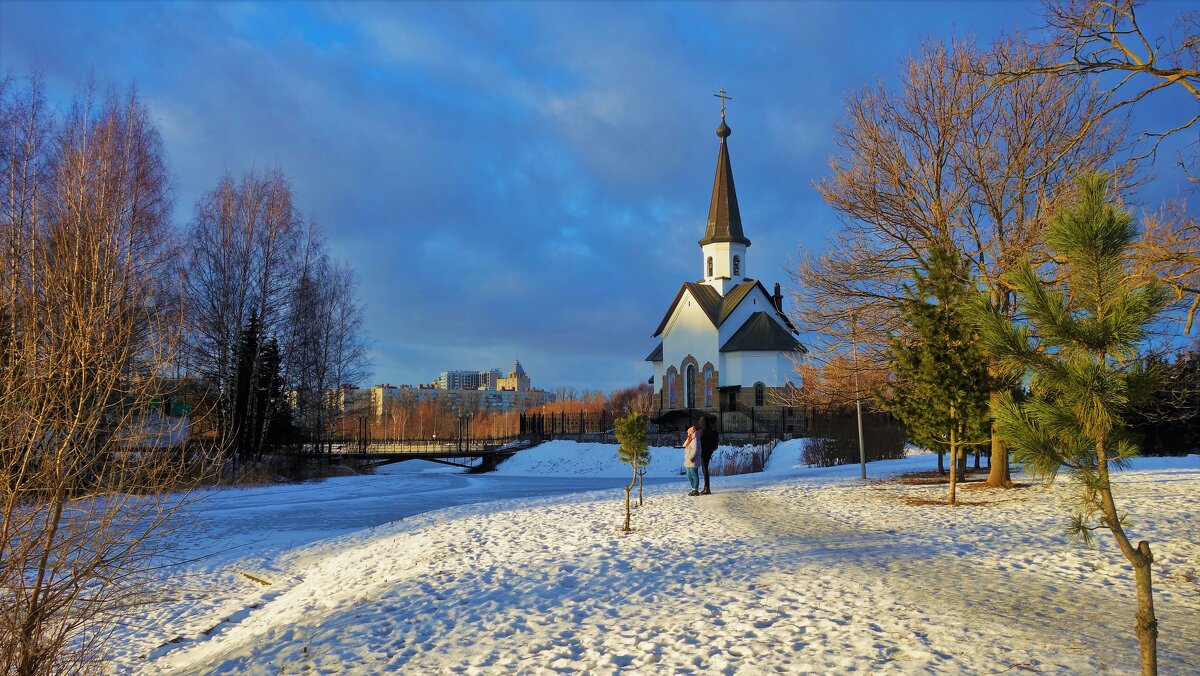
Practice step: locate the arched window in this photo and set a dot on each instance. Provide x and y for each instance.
(670, 387)
(689, 386)
(737, 266)
(708, 386)
(760, 394)
(710, 266)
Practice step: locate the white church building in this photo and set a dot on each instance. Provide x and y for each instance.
(725, 343)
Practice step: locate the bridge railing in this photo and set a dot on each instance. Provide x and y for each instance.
(348, 445)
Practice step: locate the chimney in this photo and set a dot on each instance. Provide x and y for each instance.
(778, 298)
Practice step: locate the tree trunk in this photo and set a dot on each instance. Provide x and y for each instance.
(953, 463)
(941, 463)
(998, 476)
(1146, 626)
(1147, 623)
(641, 479)
(628, 490)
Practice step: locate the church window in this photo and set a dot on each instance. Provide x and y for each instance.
(710, 274)
(760, 394)
(708, 386)
(670, 387)
(737, 266)
(689, 386)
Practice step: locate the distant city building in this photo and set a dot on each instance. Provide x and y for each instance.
(467, 380)
(475, 392)
(517, 380)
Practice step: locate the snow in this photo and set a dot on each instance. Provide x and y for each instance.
(793, 570)
(570, 458)
(787, 458)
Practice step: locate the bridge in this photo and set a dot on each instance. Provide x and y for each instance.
(369, 452)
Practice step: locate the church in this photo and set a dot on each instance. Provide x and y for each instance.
(726, 346)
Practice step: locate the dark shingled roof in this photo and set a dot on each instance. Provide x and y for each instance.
(657, 354)
(717, 308)
(761, 333)
(724, 218)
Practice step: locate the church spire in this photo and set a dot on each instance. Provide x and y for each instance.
(724, 219)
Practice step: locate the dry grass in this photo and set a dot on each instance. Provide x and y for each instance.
(934, 479)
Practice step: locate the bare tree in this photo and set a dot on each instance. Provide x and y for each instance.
(243, 246)
(326, 347)
(950, 158)
(84, 459)
(636, 399)
(1103, 41)
(566, 393)
(1102, 38)
(1169, 251)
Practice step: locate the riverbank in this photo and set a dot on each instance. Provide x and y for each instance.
(804, 571)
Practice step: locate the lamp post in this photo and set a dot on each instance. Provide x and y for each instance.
(862, 453)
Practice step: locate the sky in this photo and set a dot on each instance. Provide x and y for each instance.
(510, 180)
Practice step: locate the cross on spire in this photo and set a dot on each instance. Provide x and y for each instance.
(721, 94)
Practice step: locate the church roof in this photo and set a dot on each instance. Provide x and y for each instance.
(657, 354)
(761, 333)
(724, 219)
(717, 307)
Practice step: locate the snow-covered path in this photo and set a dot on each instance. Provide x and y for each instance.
(767, 575)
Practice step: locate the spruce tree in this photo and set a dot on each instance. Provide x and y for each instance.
(634, 451)
(1080, 350)
(940, 392)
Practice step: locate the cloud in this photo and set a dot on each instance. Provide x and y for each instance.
(509, 179)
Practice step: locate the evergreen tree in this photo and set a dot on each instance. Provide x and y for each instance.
(634, 451)
(259, 391)
(1080, 350)
(1169, 422)
(241, 424)
(941, 388)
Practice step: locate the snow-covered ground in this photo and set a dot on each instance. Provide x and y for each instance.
(793, 570)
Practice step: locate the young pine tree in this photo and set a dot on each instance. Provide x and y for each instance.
(941, 387)
(634, 450)
(1080, 350)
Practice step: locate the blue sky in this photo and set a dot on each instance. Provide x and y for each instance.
(510, 180)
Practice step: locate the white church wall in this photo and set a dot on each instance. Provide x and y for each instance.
(755, 301)
(689, 332)
(731, 369)
(722, 253)
(773, 369)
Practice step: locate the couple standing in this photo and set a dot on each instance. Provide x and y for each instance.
(698, 449)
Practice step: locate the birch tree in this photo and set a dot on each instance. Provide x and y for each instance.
(89, 327)
(243, 244)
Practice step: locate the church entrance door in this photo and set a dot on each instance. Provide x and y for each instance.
(729, 397)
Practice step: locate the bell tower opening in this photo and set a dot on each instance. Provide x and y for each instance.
(724, 244)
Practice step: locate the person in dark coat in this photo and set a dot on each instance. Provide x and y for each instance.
(706, 431)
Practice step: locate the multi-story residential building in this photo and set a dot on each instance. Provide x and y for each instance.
(467, 380)
(474, 391)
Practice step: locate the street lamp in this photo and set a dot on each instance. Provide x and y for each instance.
(862, 453)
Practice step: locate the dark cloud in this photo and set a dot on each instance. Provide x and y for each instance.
(509, 180)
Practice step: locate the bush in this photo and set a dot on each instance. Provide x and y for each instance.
(824, 452)
(834, 438)
(731, 460)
